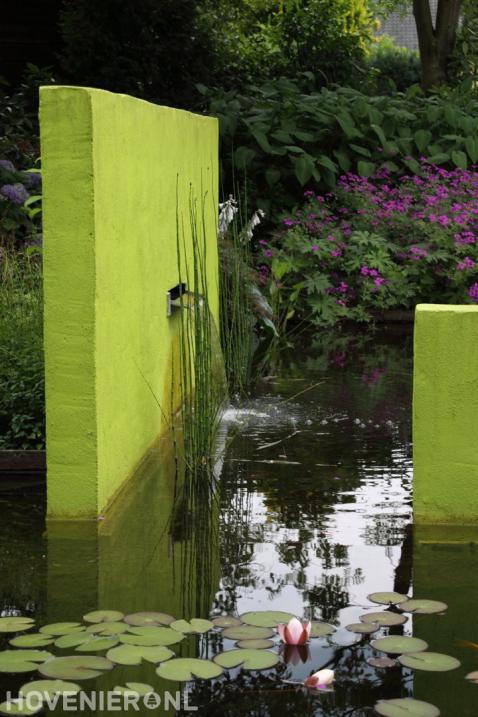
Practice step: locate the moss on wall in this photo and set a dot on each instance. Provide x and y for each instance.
(118, 174)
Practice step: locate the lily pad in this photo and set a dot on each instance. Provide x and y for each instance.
(33, 640)
(423, 607)
(151, 636)
(65, 642)
(429, 661)
(149, 618)
(16, 624)
(321, 629)
(135, 688)
(406, 707)
(384, 619)
(247, 659)
(20, 706)
(135, 654)
(49, 688)
(82, 667)
(62, 628)
(195, 625)
(247, 632)
(226, 621)
(22, 660)
(398, 645)
(255, 644)
(381, 662)
(103, 616)
(363, 628)
(97, 643)
(107, 629)
(183, 669)
(387, 598)
(266, 618)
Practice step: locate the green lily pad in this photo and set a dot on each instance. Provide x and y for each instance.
(62, 628)
(255, 644)
(22, 660)
(266, 618)
(363, 628)
(184, 669)
(135, 654)
(384, 619)
(107, 629)
(247, 632)
(65, 642)
(151, 636)
(103, 616)
(398, 645)
(387, 598)
(49, 688)
(97, 644)
(16, 624)
(247, 659)
(226, 621)
(19, 706)
(321, 629)
(423, 607)
(429, 661)
(135, 688)
(406, 707)
(381, 662)
(142, 619)
(195, 625)
(82, 667)
(32, 640)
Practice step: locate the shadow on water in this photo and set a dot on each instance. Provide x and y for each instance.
(312, 513)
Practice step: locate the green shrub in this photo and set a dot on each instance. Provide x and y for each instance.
(284, 139)
(22, 422)
(393, 67)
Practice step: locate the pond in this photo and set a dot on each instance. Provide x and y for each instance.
(312, 512)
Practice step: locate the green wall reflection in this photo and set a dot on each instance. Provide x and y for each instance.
(156, 550)
(445, 567)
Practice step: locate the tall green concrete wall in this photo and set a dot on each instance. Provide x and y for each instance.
(445, 402)
(119, 175)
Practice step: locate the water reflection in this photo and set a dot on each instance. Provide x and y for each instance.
(311, 515)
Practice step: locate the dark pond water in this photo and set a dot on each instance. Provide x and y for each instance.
(312, 513)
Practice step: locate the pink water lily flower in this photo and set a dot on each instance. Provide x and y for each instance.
(295, 632)
(320, 680)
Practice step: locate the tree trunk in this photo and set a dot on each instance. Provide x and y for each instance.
(436, 43)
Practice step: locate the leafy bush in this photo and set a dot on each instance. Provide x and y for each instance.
(283, 139)
(376, 245)
(393, 67)
(21, 353)
(257, 40)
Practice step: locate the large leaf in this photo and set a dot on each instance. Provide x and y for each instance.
(247, 659)
(384, 619)
(151, 636)
(226, 621)
(85, 667)
(398, 644)
(422, 138)
(429, 661)
(97, 643)
(62, 628)
(459, 159)
(195, 625)
(423, 607)
(143, 619)
(135, 654)
(303, 168)
(20, 706)
(49, 688)
(184, 669)
(22, 660)
(107, 628)
(247, 632)
(406, 707)
(32, 640)
(385, 598)
(365, 169)
(16, 624)
(321, 629)
(103, 616)
(266, 618)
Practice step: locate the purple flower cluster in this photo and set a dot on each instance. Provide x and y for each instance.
(15, 193)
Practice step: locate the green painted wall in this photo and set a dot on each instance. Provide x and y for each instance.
(115, 170)
(445, 401)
